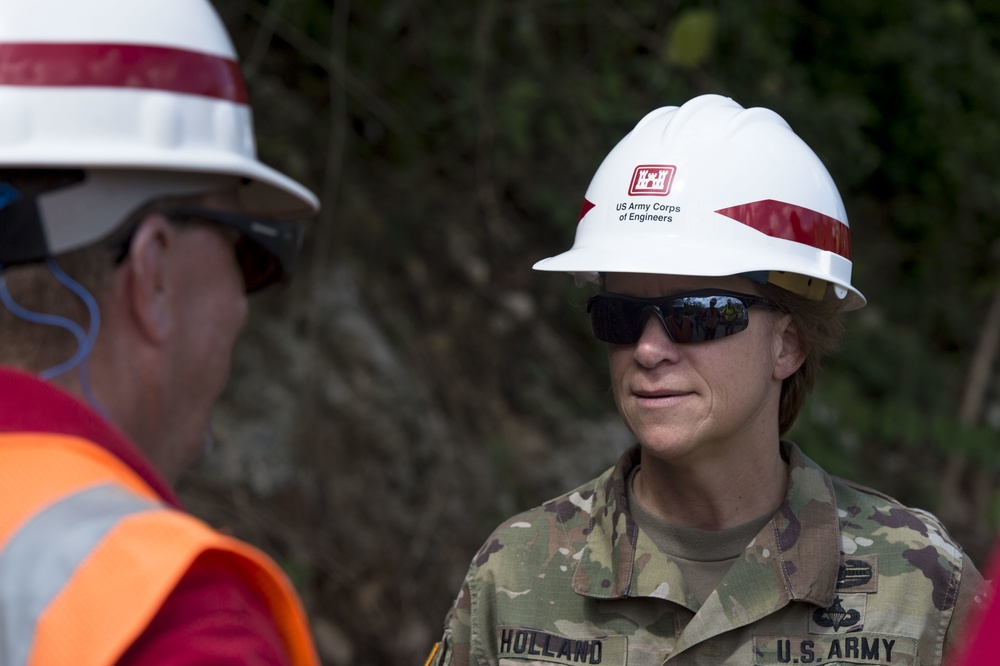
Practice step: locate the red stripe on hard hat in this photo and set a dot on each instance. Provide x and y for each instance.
(585, 208)
(795, 223)
(121, 66)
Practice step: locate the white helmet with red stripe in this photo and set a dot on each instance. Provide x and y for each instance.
(708, 189)
(145, 97)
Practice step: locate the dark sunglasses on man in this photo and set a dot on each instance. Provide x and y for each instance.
(265, 251)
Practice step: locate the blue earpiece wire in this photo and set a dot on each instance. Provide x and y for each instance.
(85, 341)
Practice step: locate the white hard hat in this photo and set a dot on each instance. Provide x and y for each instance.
(145, 97)
(709, 189)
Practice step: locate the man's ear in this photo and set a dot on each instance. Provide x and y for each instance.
(148, 278)
(791, 351)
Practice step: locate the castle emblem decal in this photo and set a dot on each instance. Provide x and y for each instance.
(652, 180)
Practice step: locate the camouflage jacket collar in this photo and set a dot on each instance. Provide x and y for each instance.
(792, 550)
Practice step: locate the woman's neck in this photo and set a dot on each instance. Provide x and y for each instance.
(715, 493)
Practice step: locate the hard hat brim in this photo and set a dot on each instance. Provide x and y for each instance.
(655, 259)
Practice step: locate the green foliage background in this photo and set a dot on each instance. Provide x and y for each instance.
(451, 143)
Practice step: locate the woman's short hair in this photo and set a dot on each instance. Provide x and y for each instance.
(820, 331)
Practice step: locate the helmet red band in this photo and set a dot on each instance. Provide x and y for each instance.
(121, 66)
(795, 223)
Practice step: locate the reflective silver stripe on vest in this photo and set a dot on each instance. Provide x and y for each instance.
(45, 552)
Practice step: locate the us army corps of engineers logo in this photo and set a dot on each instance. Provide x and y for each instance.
(652, 180)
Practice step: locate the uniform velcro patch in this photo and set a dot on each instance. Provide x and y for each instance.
(532, 645)
(859, 574)
(854, 648)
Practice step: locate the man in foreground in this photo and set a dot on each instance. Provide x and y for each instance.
(134, 219)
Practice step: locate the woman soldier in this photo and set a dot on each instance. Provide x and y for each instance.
(713, 541)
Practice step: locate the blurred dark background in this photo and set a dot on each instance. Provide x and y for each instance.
(417, 382)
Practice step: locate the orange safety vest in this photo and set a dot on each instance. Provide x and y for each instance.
(89, 553)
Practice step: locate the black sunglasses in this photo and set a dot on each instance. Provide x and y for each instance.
(265, 251)
(694, 316)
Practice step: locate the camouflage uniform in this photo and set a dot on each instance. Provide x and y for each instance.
(841, 574)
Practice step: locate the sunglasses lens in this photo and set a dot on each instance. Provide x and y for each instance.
(617, 320)
(260, 267)
(697, 318)
(703, 318)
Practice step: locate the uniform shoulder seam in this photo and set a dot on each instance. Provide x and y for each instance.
(867, 490)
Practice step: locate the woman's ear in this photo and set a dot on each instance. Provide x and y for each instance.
(790, 351)
(147, 278)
